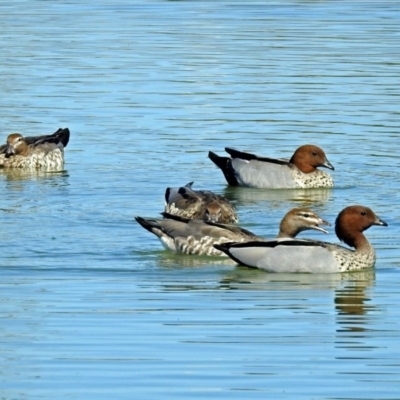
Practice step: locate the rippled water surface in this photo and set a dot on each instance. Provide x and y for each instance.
(91, 305)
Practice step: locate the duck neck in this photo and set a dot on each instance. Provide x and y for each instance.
(24, 152)
(22, 149)
(286, 230)
(361, 243)
(282, 235)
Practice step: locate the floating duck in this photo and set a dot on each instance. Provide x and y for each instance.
(301, 171)
(45, 151)
(302, 255)
(190, 236)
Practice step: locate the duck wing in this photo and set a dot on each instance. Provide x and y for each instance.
(249, 156)
(285, 255)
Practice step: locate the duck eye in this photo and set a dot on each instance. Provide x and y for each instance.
(314, 153)
(307, 215)
(363, 213)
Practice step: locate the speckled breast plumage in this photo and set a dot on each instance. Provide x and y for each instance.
(350, 260)
(316, 179)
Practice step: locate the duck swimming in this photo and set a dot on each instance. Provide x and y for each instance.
(46, 151)
(301, 171)
(297, 255)
(190, 236)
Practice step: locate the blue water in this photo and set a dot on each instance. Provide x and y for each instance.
(91, 306)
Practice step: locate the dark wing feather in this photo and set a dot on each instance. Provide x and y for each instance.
(249, 156)
(273, 243)
(60, 136)
(228, 227)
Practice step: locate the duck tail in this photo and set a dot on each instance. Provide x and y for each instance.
(62, 135)
(147, 224)
(225, 165)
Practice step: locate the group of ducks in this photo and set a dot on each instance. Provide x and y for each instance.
(203, 223)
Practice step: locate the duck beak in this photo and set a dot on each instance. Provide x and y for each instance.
(9, 150)
(328, 165)
(213, 218)
(380, 222)
(321, 222)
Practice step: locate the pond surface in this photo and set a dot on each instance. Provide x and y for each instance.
(91, 305)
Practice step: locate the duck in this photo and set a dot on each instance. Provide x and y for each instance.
(299, 172)
(191, 236)
(46, 151)
(199, 204)
(312, 256)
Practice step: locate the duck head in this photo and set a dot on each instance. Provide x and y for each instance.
(309, 157)
(16, 145)
(354, 220)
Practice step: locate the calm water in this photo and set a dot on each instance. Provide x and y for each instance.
(90, 305)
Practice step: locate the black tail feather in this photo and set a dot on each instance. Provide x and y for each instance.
(224, 247)
(225, 165)
(61, 135)
(146, 224)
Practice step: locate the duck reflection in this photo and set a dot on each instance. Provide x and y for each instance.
(353, 302)
(16, 174)
(295, 197)
(353, 298)
(168, 259)
(24, 186)
(256, 279)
